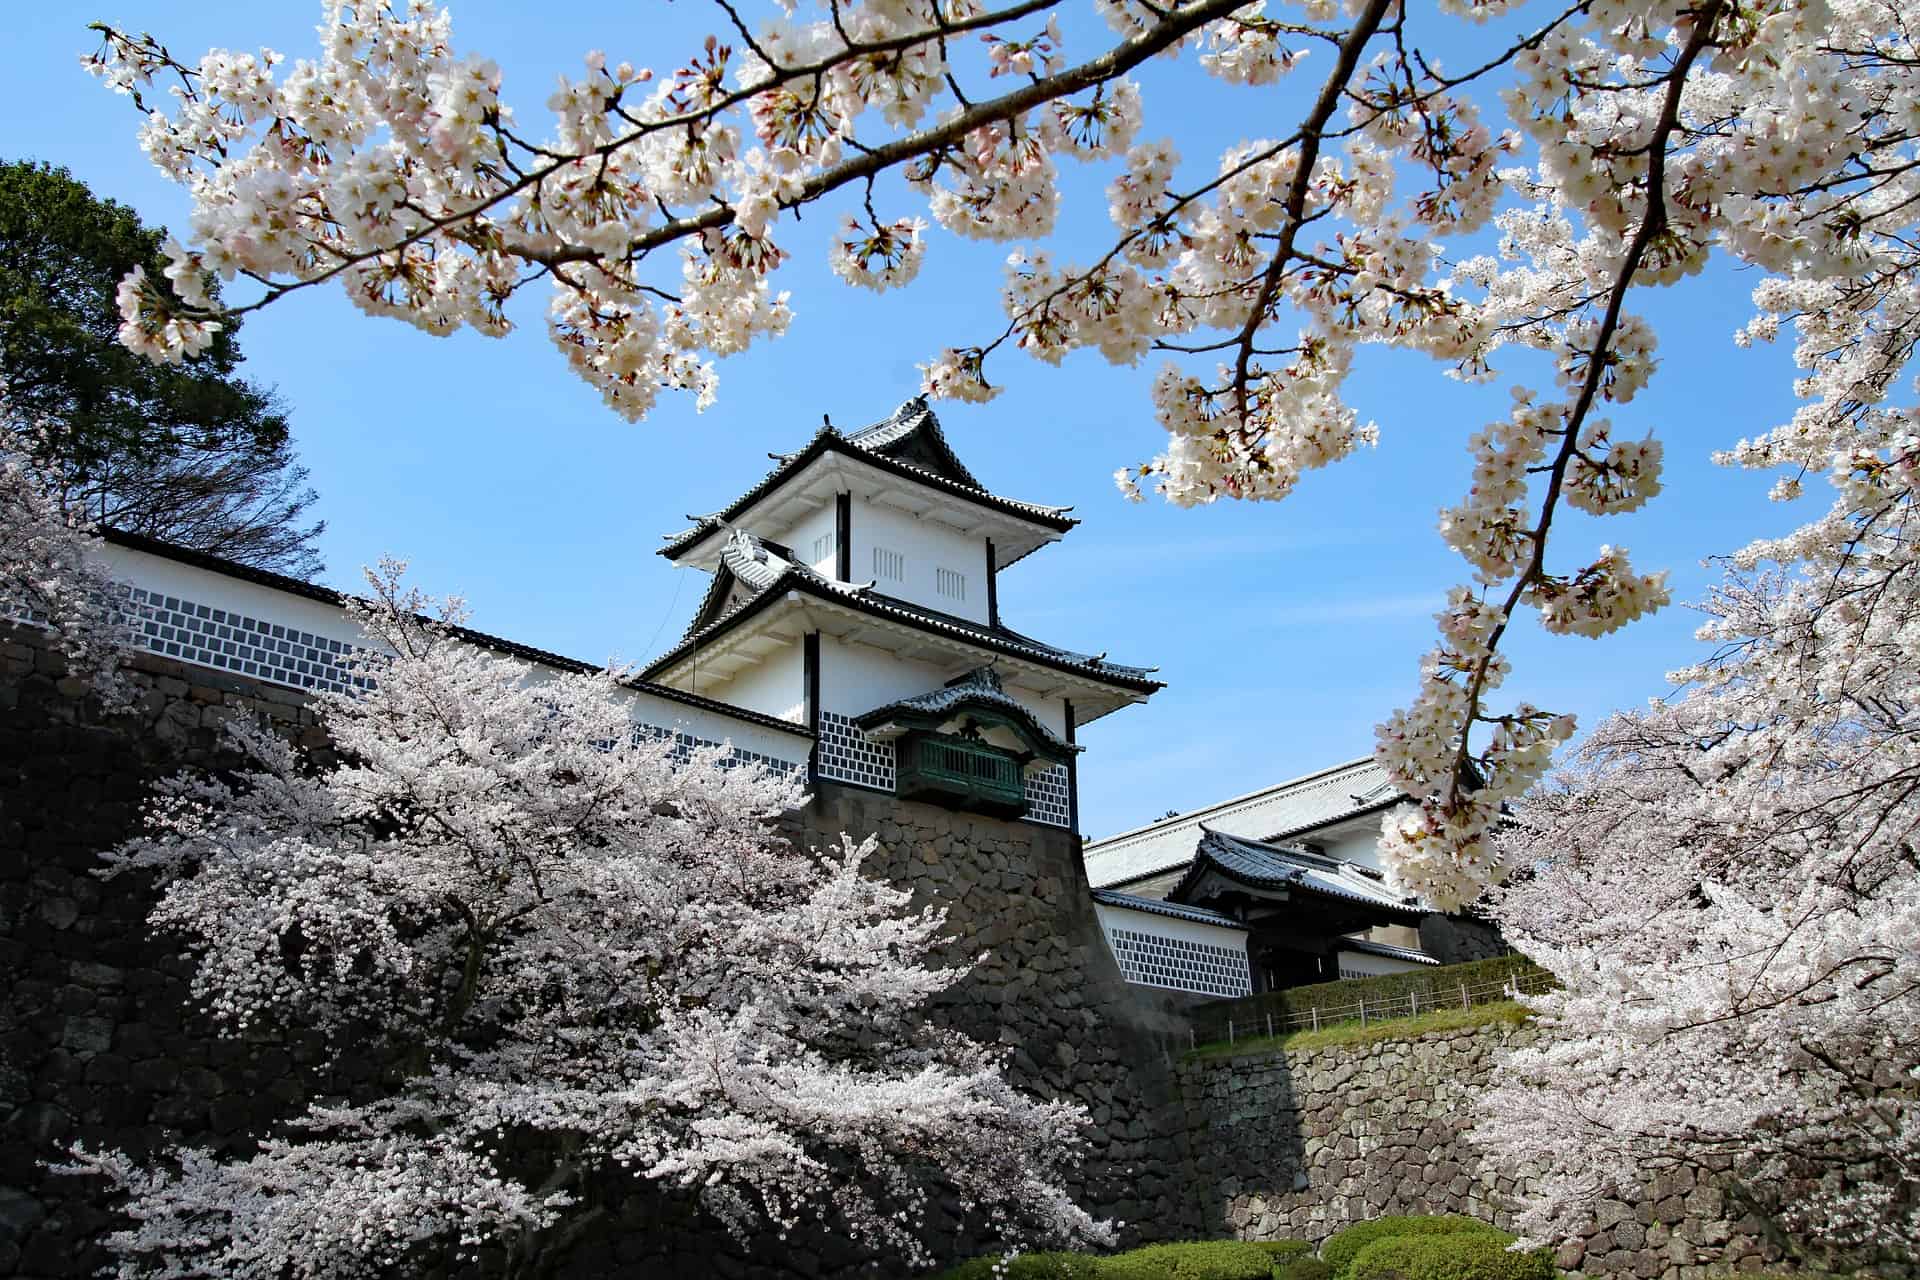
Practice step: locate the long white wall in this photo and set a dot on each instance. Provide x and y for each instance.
(925, 548)
(209, 619)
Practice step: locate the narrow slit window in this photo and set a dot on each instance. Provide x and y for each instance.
(889, 566)
(825, 547)
(950, 583)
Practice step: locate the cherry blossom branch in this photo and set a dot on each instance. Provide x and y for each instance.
(1653, 222)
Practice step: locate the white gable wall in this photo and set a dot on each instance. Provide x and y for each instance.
(856, 678)
(1356, 840)
(775, 685)
(811, 539)
(926, 547)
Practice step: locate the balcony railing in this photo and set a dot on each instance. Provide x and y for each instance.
(963, 774)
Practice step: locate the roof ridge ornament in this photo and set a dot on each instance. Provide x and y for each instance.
(982, 677)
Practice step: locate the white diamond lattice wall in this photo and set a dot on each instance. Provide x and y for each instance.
(1158, 960)
(1047, 797)
(848, 755)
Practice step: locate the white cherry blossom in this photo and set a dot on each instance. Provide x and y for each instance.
(591, 969)
(1578, 155)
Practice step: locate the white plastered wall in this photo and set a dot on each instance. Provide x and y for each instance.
(926, 546)
(811, 539)
(775, 686)
(1183, 955)
(191, 585)
(1354, 841)
(1361, 964)
(216, 590)
(856, 678)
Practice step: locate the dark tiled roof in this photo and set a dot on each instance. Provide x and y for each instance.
(1179, 911)
(1386, 949)
(1264, 866)
(912, 434)
(979, 687)
(495, 644)
(910, 445)
(764, 571)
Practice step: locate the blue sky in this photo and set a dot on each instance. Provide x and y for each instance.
(1284, 630)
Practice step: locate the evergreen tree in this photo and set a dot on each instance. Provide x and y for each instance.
(190, 452)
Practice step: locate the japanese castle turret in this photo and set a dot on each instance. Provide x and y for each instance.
(854, 593)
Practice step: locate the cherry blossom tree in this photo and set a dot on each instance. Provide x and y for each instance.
(1580, 152)
(1728, 890)
(592, 970)
(49, 574)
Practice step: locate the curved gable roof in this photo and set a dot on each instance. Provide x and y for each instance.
(978, 688)
(909, 444)
(1259, 865)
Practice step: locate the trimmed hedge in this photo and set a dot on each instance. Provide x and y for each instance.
(1027, 1266)
(1283, 1250)
(1464, 1255)
(1306, 1267)
(1436, 987)
(1340, 1249)
(1195, 1260)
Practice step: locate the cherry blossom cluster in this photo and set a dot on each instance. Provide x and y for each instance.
(587, 964)
(1517, 203)
(49, 573)
(1725, 887)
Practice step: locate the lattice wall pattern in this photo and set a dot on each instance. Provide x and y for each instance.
(685, 744)
(848, 755)
(1047, 799)
(237, 642)
(227, 640)
(1156, 960)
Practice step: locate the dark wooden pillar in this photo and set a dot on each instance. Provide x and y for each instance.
(843, 536)
(810, 669)
(1073, 774)
(993, 592)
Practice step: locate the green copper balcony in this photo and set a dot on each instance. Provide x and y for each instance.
(960, 773)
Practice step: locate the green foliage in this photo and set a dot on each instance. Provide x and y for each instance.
(190, 452)
(1193, 1260)
(1028, 1266)
(1463, 1255)
(1340, 1250)
(1437, 988)
(1283, 1250)
(1302, 1267)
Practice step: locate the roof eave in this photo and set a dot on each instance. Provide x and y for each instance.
(682, 546)
(790, 583)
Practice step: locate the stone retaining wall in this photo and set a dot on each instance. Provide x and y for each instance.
(1296, 1145)
(100, 1043)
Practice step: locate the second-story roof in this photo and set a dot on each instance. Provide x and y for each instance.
(753, 575)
